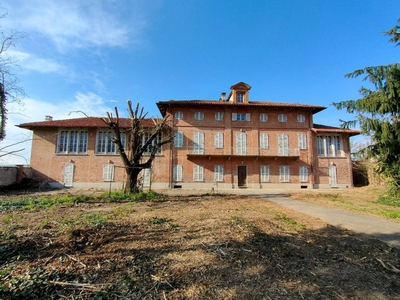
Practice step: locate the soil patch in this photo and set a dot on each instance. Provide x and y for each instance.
(189, 247)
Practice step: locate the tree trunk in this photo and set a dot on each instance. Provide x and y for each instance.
(131, 186)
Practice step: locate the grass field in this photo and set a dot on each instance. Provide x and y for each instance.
(183, 247)
(365, 200)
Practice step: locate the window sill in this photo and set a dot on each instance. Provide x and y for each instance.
(71, 154)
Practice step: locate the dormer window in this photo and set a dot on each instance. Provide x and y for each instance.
(239, 93)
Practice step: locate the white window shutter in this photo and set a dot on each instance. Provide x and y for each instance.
(264, 140)
(146, 177)
(302, 141)
(177, 176)
(198, 143)
(218, 140)
(108, 172)
(178, 139)
(264, 172)
(247, 116)
(333, 176)
(283, 144)
(241, 143)
(69, 174)
(234, 116)
(303, 174)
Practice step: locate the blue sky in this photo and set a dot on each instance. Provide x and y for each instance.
(92, 55)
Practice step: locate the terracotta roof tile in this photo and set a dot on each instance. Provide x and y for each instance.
(95, 122)
(318, 128)
(162, 105)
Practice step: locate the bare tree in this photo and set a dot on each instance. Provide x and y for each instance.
(10, 90)
(140, 140)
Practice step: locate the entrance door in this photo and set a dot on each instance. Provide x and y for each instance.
(69, 174)
(146, 177)
(333, 176)
(242, 176)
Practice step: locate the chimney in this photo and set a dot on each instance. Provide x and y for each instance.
(48, 118)
(223, 97)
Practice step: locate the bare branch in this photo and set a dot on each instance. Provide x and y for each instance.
(12, 152)
(78, 111)
(140, 140)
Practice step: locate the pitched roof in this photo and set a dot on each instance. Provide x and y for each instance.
(163, 105)
(93, 122)
(318, 128)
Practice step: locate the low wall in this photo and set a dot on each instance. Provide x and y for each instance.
(14, 174)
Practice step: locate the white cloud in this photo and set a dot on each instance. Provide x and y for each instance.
(35, 110)
(75, 24)
(30, 62)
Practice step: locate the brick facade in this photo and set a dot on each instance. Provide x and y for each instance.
(228, 143)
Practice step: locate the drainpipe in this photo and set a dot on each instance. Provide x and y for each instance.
(350, 163)
(311, 149)
(170, 151)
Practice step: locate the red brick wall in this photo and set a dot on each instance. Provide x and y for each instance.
(49, 166)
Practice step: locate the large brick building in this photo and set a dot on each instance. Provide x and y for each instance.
(227, 143)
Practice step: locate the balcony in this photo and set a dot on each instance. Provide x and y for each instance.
(233, 151)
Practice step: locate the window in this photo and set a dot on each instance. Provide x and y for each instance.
(240, 97)
(108, 172)
(303, 174)
(219, 173)
(219, 116)
(282, 118)
(301, 118)
(146, 177)
(105, 144)
(198, 115)
(240, 117)
(302, 141)
(198, 173)
(72, 142)
(178, 140)
(178, 115)
(264, 141)
(145, 139)
(329, 145)
(241, 143)
(219, 140)
(264, 173)
(263, 117)
(198, 143)
(283, 145)
(177, 172)
(284, 173)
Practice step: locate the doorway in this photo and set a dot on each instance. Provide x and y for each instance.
(69, 174)
(242, 176)
(333, 176)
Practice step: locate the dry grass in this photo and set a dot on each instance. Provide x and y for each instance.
(188, 247)
(362, 200)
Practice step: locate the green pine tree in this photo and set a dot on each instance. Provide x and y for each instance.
(377, 113)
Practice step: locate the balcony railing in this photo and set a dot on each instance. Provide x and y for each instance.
(233, 151)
